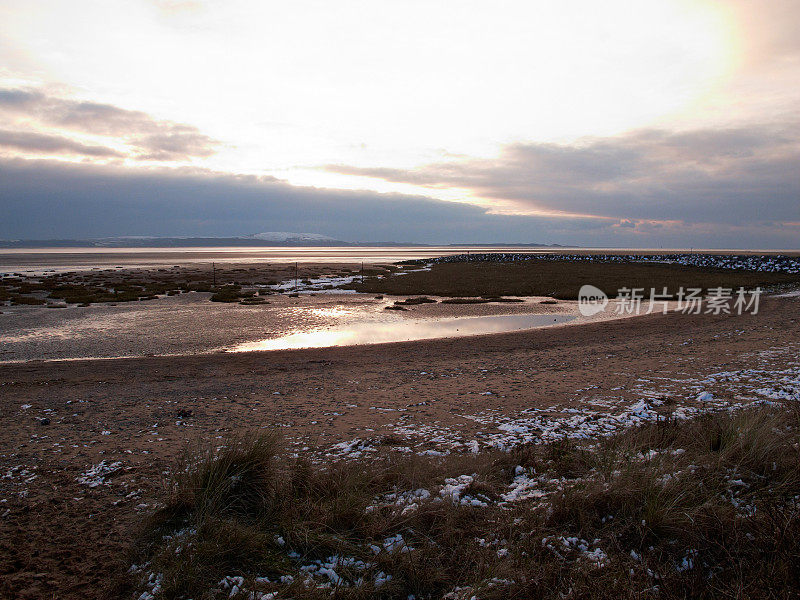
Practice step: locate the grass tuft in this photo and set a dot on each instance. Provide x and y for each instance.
(705, 508)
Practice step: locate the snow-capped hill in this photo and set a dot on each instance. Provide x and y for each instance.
(288, 236)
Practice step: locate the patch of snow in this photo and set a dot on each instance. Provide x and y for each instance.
(95, 475)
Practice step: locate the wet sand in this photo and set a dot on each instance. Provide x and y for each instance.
(61, 537)
(190, 324)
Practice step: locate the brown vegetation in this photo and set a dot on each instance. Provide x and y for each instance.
(562, 279)
(129, 285)
(699, 509)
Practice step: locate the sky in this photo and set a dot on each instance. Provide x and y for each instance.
(655, 123)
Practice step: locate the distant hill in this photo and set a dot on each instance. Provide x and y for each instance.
(264, 239)
(287, 237)
(267, 238)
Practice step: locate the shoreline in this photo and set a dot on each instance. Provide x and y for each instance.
(94, 259)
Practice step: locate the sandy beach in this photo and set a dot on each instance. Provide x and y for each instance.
(65, 524)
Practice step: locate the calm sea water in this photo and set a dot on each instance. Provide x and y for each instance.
(35, 260)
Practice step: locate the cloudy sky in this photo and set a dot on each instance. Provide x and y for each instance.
(655, 123)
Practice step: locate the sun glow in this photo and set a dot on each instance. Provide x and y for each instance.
(289, 87)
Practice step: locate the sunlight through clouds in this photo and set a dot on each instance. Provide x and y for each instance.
(307, 83)
(411, 97)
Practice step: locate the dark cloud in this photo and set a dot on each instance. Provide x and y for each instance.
(150, 138)
(734, 177)
(52, 199)
(53, 144)
(176, 143)
(10, 98)
(49, 199)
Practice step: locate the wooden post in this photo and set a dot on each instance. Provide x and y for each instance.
(295, 277)
(213, 275)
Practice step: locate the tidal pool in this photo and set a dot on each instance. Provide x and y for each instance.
(402, 331)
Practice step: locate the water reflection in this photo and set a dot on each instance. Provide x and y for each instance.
(39, 260)
(403, 331)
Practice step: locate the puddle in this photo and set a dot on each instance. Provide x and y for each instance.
(405, 331)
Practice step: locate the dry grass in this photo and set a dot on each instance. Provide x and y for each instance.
(231, 293)
(561, 279)
(701, 509)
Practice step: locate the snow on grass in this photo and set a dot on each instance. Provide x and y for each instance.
(454, 489)
(579, 549)
(523, 487)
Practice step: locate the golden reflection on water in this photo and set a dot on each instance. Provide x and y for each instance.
(310, 339)
(377, 333)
